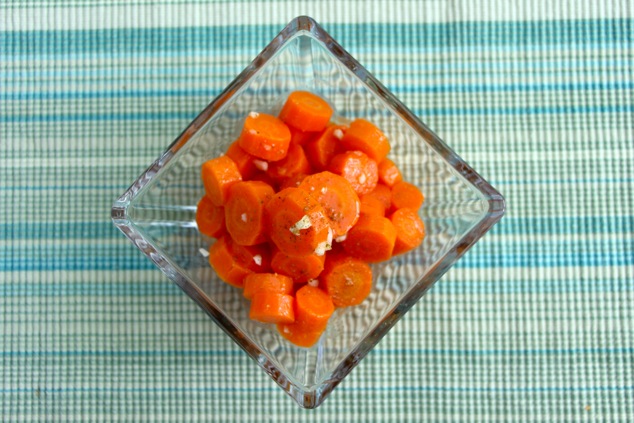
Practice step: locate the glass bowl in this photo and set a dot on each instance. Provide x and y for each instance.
(157, 212)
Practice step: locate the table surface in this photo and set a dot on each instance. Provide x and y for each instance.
(533, 324)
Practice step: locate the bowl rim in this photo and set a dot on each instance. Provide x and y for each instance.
(310, 398)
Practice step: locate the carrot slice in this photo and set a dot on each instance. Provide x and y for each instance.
(365, 136)
(327, 145)
(229, 268)
(384, 194)
(244, 211)
(265, 136)
(389, 173)
(242, 159)
(210, 218)
(293, 181)
(306, 111)
(360, 170)
(371, 239)
(337, 197)
(301, 269)
(346, 279)
(218, 175)
(371, 205)
(300, 137)
(406, 195)
(293, 164)
(313, 308)
(410, 230)
(256, 258)
(297, 223)
(270, 282)
(271, 307)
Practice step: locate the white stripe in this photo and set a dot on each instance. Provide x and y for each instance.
(279, 13)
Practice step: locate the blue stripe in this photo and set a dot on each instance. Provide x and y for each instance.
(443, 35)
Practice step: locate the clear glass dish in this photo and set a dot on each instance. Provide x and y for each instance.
(157, 212)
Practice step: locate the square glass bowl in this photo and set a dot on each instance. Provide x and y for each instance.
(157, 213)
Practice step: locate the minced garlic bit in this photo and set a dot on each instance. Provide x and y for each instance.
(303, 223)
(341, 238)
(324, 190)
(257, 259)
(267, 147)
(337, 133)
(243, 217)
(252, 131)
(286, 330)
(324, 246)
(203, 252)
(254, 114)
(362, 178)
(261, 165)
(313, 282)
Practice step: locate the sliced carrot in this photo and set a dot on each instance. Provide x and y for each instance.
(229, 268)
(306, 111)
(384, 194)
(297, 223)
(244, 211)
(292, 182)
(266, 178)
(365, 136)
(218, 175)
(337, 197)
(210, 218)
(323, 148)
(346, 279)
(242, 159)
(406, 195)
(360, 170)
(256, 258)
(371, 205)
(371, 239)
(271, 307)
(270, 282)
(300, 269)
(265, 136)
(410, 230)
(300, 137)
(293, 164)
(313, 308)
(389, 173)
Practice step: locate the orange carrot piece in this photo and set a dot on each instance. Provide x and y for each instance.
(346, 279)
(210, 218)
(384, 194)
(372, 205)
(406, 195)
(265, 137)
(410, 230)
(306, 111)
(371, 239)
(313, 308)
(244, 211)
(300, 137)
(272, 307)
(365, 136)
(256, 258)
(293, 164)
(242, 159)
(323, 148)
(229, 268)
(292, 182)
(270, 282)
(337, 197)
(300, 269)
(389, 173)
(360, 170)
(218, 175)
(297, 223)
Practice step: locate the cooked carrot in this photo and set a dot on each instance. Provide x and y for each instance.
(371, 205)
(297, 223)
(270, 282)
(292, 182)
(265, 136)
(244, 211)
(242, 159)
(384, 194)
(256, 258)
(313, 308)
(337, 197)
(389, 173)
(360, 170)
(346, 279)
(410, 230)
(210, 218)
(266, 178)
(406, 195)
(371, 239)
(365, 136)
(293, 164)
(324, 147)
(306, 111)
(229, 268)
(300, 137)
(300, 269)
(218, 175)
(272, 307)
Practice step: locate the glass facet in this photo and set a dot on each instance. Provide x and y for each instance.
(157, 213)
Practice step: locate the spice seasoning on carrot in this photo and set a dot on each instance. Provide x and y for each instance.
(265, 137)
